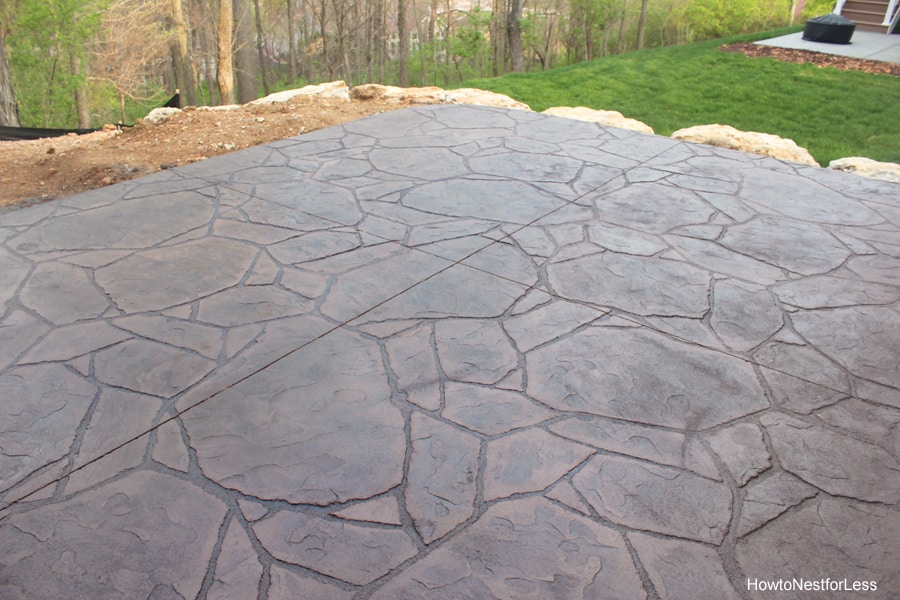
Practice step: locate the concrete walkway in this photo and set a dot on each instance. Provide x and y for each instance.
(868, 45)
(454, 352)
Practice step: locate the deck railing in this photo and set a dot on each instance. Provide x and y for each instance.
(890, 16)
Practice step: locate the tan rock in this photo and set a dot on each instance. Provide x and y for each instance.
(333, 89)
(434, 95)
(765, 144)
(376, 91)
(611, 118)
(414, 95)
(161, 114)
(482, 98)
(867, 168)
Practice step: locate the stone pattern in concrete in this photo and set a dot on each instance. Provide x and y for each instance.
(453, 352)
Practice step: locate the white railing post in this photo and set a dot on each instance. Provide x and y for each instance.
(889, 14)
(838, 7)
(893, 24)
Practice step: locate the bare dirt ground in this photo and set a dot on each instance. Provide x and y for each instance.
(32, 172)
(36, 171)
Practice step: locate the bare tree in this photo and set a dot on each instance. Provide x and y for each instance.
(246, 63)
(225, 60)
(292, 47)
(9, 108)
(261, 47)
(185, 79)
(381, 39)
(642, 24)
(341, 16)
(497, 36)
(82, 107)
(203, 16)
(322, 16)
(133, 47)
(620, 46)
(514, 33)
(403, 32)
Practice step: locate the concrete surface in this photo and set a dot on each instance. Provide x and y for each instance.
(869, 45)
(454, 352)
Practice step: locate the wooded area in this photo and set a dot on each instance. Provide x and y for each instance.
(67, 63)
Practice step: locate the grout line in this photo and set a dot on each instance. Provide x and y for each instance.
(350, 320)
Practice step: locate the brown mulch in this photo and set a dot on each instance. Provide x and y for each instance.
(820, 59)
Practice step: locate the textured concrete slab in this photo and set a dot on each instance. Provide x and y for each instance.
(870, 45)
(453, 352)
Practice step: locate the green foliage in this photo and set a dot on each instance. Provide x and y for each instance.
(720, 18)
(583, 24)
(47, 48)
(50, 42)
(282, 84)
(429, 65)
(470, 45)
(104, 100)
(831, 113)
(817, 8)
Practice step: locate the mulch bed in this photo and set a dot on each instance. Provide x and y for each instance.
(820, 59)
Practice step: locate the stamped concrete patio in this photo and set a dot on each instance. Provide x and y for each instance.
(454, 352)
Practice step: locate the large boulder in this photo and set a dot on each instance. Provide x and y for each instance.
(765, 144)
(433, 95)
(333, 89)
(612, 118)
(482, 98)
(161, 114)
(867, 168)
(420, 95)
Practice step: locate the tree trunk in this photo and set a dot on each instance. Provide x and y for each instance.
(403, 35)
(340, 20)
(204, 40)
(82, 109)
(207, 42)
(260, 48)
(588, 21)
(225, 64)
(9, 108)
(497, 37)
(642, 24)
(620, 47)
(245, 59)
(307, 36)
(371, 25)
(380, 29)
(292, 48)
(323, 28)
(185, 81)
(514, 33)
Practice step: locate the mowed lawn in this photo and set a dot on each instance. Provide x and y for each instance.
(831, 113)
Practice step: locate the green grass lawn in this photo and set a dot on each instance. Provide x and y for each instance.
(831, 113)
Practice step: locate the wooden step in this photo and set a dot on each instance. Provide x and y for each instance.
(871, 27)
(867, 14)
(874, 5)
(858, 16)
(860, 8)
(862, 17)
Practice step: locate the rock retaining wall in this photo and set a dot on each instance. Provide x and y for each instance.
(723, 136)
